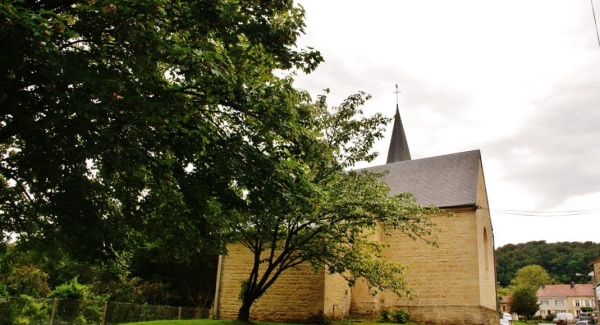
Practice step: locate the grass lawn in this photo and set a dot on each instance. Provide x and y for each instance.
(233, 322)
(520, 322)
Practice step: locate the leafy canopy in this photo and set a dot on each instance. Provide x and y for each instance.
(562, 260)
(124, 121)
(524, 301)
(322, 214)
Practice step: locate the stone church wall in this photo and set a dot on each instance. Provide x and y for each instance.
(338, 296)
(453, 283)
(444, 280)
(364, 304)
(454, 315)
(297, 294)
(442, 275)
(486, 259)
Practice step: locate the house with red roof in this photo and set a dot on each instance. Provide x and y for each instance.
(565, 298)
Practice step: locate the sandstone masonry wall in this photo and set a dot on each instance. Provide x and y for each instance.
(338, 296)
(297, 295)
(453, 315)
(452, 281)
(442, 275)
(485, 238)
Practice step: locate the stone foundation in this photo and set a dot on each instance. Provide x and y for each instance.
(452, 315)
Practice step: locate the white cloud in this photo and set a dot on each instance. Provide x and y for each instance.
(518, 80)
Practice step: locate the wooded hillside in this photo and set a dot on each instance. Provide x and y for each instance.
(562, 260)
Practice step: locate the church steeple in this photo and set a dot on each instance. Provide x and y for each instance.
(398, 146)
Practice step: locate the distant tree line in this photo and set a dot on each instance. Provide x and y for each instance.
(561, 260)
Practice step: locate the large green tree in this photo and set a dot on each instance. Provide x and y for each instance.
(524, 301)
(313, 210)
(126, 123)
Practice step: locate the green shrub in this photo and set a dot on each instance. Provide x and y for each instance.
(77, 304)
(31, 311)
(3, 290)
(401, 316)
(70, 290)
(549, 317)
(27, 280)
(385, 315)
(6, 314)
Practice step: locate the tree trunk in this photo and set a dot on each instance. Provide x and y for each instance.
(244, 312)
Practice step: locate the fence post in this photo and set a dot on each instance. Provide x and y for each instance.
(179, 314)
(53, 309)
(104, 313)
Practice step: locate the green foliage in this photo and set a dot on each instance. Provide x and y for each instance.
(71, 290)
(27, 280)
(309, 209)
(21, 273)
(524, 301)
(31, 310)
(165, 281)
(76, 303)
(176, 124)
(149, 278)
(561, 260)
(385, 315)
(400, 316)
(134, 108)
(6, 312)
(532, 276)
(145, 114)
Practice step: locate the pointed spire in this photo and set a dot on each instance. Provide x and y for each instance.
(398, 146)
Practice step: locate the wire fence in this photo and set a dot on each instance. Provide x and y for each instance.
(41, 311)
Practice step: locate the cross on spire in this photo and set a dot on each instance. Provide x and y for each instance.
(397, 92)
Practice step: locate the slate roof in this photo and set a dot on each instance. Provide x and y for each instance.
(444, 181)
(565, 290)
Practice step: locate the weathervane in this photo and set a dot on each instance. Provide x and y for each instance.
(397, 92)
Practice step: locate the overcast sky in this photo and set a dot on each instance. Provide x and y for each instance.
(517, 79)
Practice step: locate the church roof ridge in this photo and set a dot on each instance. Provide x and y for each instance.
(445, 181)
(478, 151)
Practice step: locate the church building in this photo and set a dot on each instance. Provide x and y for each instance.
(453, 283)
